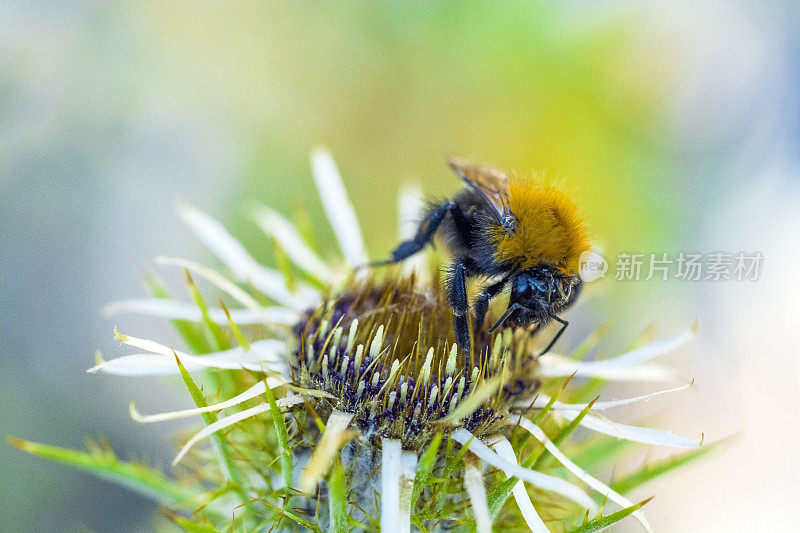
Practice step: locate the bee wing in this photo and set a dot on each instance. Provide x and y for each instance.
(491, 183)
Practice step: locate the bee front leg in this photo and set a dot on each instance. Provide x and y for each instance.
(502, 320)
(457, 297)
(564, 325)
(482, 302)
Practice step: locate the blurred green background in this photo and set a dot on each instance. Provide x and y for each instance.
(673, 125)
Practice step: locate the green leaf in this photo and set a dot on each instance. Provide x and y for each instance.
(591, 341)
(425, 467)
(419, 524)
(602, 522)
(226, 465)
(187, 524)
(337, 484)
(360, 526)
(191, 334)
(219, 339)
(541, 414)
(601, 450)
(499, 495)
(135, 476)
(563, 434)
(591, 388)
(446, 484)
(236, 331)
(284, 267)
(291, 516)
(648, 472)
(284, 449)
(454, 461)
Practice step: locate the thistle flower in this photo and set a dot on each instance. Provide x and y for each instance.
(383, 422)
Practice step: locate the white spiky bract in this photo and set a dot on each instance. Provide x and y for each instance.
(596, 421)
(532, 519)
(337, 206)
(254, 391)
(473, 482)
(326, 449)
(222, 244)
(221, 282)
(537, 479)
(397, 466)
(578, 472)
(543, 399)
(177, 310)
(391, 453)
(625, 367)
(233, 419)
(262, 356)
(411, 208)
(642, 435)
(285, 234)
(408, 464)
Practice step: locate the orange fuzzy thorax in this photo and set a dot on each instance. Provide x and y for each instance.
(549, 229)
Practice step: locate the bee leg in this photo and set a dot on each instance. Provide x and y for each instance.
(461, 327)
(482, 302)
(425, 232)
(564, 325)
(457, 296)
(506, 315)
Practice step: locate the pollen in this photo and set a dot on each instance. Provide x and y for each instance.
(549, 229)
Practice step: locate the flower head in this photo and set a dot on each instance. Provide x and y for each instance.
(384, 352)
(370, 386)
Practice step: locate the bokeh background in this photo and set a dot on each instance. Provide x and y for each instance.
(675, 126)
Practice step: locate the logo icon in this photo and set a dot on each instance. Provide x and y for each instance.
(591, 266)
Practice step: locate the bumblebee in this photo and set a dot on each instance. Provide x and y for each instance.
(513, 232)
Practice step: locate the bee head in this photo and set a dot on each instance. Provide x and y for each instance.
(538, 293)
(529, 290)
